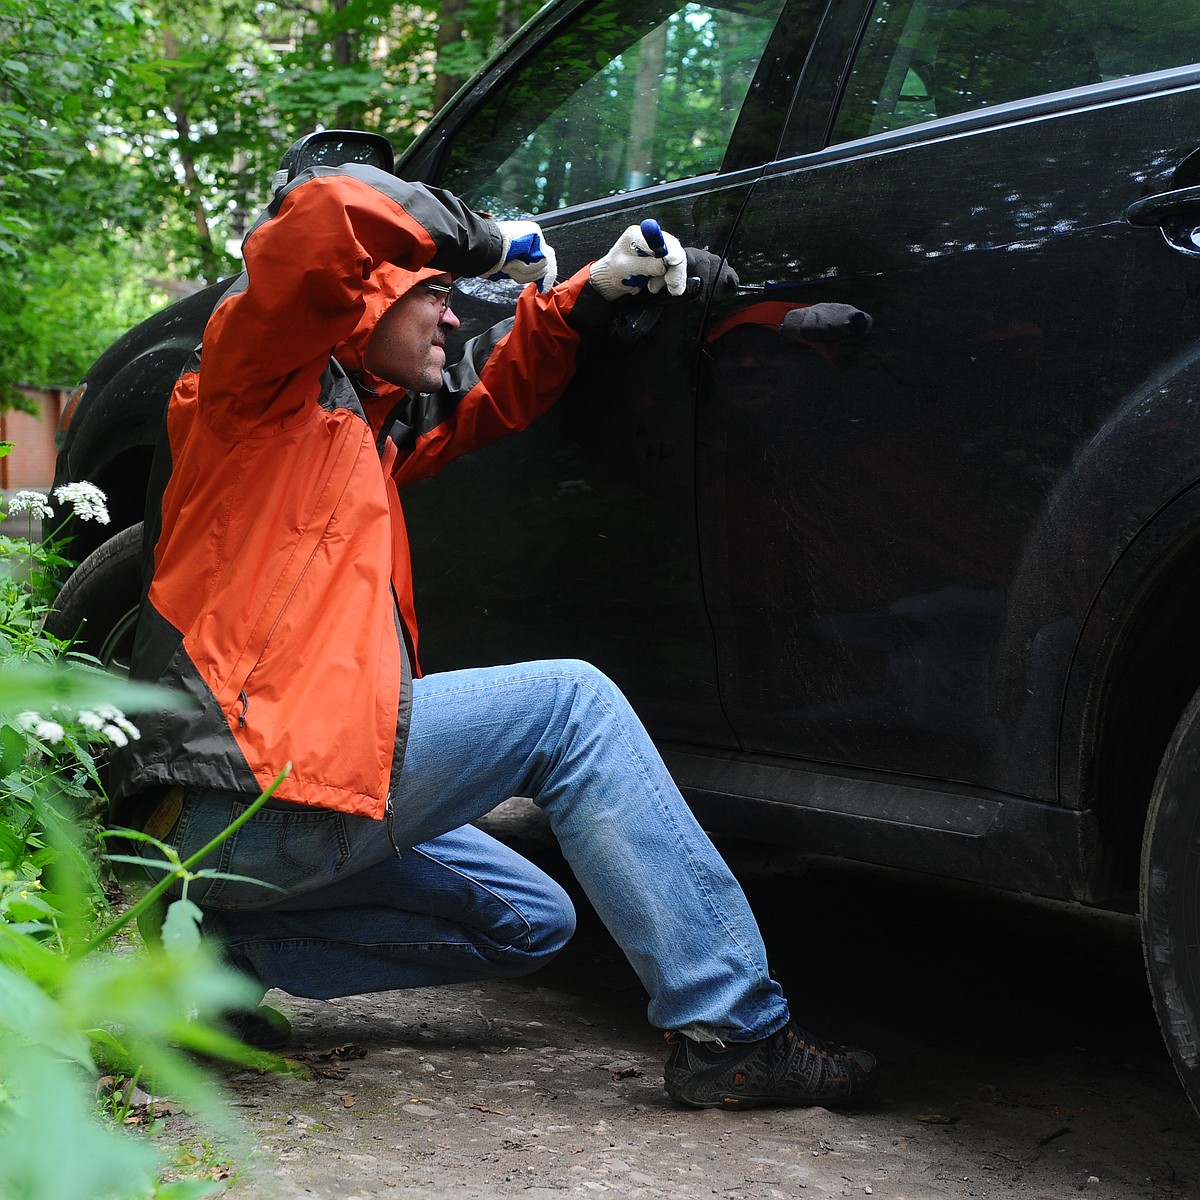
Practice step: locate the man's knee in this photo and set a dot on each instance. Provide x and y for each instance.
(554, 924)
(591, 685)
(559, 930)
(548, 930)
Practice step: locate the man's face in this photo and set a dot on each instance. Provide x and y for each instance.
(407, 347)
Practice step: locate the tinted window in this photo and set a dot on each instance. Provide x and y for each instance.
(922, 59)
(634, 94)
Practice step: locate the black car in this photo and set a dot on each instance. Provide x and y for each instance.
(922, 590)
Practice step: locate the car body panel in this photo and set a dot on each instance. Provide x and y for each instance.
(894, 496)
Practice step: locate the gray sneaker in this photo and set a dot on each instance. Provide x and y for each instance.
(789, 1067)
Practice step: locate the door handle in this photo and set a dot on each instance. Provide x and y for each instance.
(1160, 210)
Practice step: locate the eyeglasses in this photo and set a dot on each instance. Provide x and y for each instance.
(443, 293)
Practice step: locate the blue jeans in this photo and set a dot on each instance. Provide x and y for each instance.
(355, 915)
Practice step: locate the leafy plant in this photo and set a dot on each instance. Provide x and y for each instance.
(76, 992)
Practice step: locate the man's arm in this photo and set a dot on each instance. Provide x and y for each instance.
(506, 378)
(512, 374)
(302, 292)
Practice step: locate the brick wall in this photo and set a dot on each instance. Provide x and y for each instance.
(31, 463)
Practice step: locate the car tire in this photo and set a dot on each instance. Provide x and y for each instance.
(98, 605)
(1170, 898)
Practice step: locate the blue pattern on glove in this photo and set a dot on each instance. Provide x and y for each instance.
(526, 256)
(656, 247)
(527, 248)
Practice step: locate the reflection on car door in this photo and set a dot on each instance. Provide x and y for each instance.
(872, 507)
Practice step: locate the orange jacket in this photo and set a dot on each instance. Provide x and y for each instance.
(281, 594)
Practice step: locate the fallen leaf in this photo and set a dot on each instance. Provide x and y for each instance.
(322, 1059)
(936, 1119)
(348, 1100)
(627, 1073)
(344, 1051)
(331, 1072)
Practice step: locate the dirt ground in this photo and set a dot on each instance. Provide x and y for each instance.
(1021, 1054)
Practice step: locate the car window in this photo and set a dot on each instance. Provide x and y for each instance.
(633, 94)
(923, 59)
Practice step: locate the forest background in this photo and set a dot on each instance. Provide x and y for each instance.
(137, 141)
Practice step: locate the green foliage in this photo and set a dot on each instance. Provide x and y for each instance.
(75, 994)
(638, 94)
(67, 262)
(60, 308)
(138, 142)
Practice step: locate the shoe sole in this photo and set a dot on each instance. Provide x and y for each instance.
(741, 1101)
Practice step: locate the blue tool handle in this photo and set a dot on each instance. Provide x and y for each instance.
(654, 238)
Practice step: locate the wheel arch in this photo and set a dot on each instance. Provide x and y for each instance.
(1134, 672)
(1114, 544)
(112, 432)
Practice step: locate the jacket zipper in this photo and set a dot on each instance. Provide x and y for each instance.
(388, 816)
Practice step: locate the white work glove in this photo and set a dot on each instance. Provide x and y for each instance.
(644, 258)
(526, 255)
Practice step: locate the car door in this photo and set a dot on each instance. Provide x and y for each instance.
(873, 499)
(578, 538)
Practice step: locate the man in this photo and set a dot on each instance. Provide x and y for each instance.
(280, 599)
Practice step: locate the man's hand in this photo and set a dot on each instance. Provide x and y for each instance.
(634, 265)
(526, 255)
(717, 278)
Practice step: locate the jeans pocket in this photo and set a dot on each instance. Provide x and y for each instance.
(279, 852)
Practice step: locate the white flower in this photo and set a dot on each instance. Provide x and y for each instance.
(41, 728)
(87, 501)
(103, 720)
(111, 723)
(35, 503)
(128, 728)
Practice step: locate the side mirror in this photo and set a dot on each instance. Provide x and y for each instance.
(333, 148)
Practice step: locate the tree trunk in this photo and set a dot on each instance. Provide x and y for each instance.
(450, 30)
(209, 267)
(345, 54)
(644, 117)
